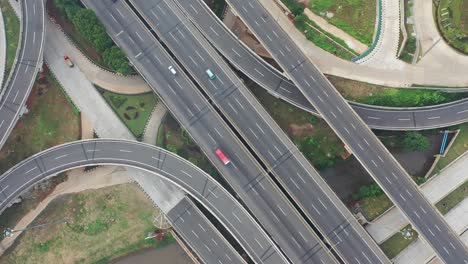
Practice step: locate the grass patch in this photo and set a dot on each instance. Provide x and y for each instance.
(173, 137)
(399, 241)
(459, 147)
(12, 29)
(124, 217)
(317, 35)
(134, 110)
(355, 17)
(311, 134)
(454, 198)
(452, 20)
(372, 207)
(51, 121)
(383, 96)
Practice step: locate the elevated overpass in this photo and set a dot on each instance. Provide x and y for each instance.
(27, 64)
(152, 159)
(279, 85)
(367, 148)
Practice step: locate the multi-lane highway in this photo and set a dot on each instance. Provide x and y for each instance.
(264, 200)
(27, 64)
(163, 163)
(276, 83)
(282, 157)
(352, 130)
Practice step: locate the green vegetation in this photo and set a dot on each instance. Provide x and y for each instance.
(90, 28)
(373, 206)
(133, 109)
(318, 36)
(173, 137)
(454, 198)
(452, 19)
(355, 17)
(218, 7)
(311, 134)
(12, 28)
(408, 52)
(459, 146)
(399, 241)
(409, 97)
(51, 121)
(415, 141)
(102, 225)
(368, 191)
(408, 141)
(368, 93)
(373, 201)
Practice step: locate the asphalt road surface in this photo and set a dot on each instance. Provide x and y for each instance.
(393, 179)
(386, 118)
(164, 164)
(24, 71)
(244, 175)
(283, 158)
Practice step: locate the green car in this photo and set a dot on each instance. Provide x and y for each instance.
(210, 74)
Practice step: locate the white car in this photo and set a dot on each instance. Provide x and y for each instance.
(172, 70)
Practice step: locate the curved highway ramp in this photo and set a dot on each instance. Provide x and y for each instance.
(152, 159)
(277, 84)
(26, 67)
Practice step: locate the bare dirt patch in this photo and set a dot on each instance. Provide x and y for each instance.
(302, 130)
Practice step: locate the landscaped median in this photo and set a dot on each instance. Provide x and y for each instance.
(317, 35)
(452, 20)
(133, 109)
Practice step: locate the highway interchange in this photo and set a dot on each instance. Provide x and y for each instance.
(282, 157)
(375, 158)
(276, 83)
(223, 113)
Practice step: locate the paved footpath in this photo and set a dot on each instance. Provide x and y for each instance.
(103, 78)
(440, 74)
(451, 177)
(152, 127)
(419, 252)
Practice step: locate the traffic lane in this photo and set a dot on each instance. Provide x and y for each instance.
(376, 159)
(118, 152)
(239, 104)
(179, 43)
(143, 60)
(24, 70)
(236, 53)
(165, 13)
(202, 237)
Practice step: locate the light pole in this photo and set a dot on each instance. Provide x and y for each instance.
(8, 232)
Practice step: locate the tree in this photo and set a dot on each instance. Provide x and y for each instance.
(415, 141)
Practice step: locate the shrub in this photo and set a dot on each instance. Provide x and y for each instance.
(89, 26)
(415, 141)
(117, 101)
(368, 191)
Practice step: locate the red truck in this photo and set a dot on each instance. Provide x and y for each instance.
(222, 156)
